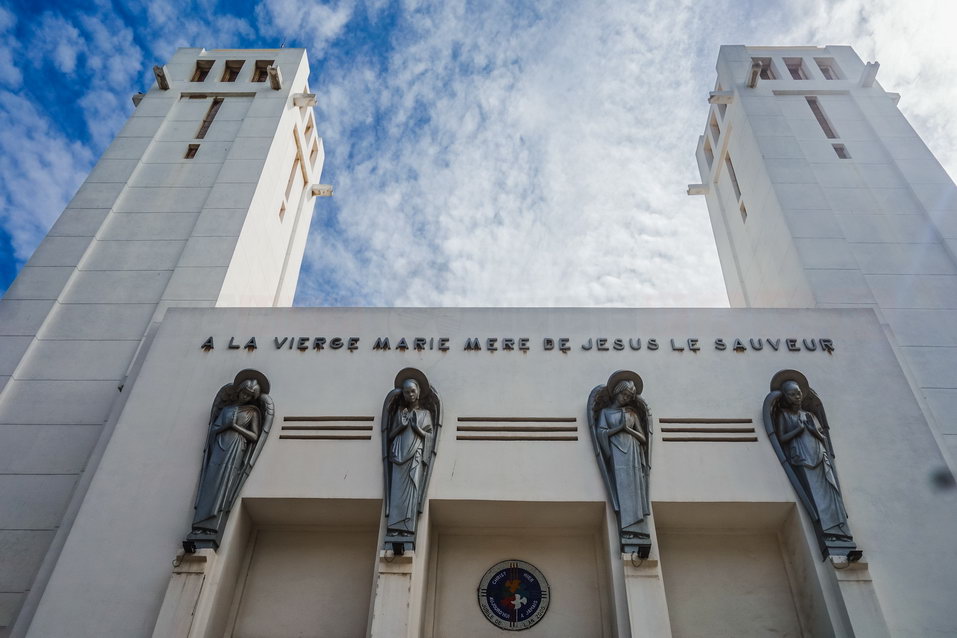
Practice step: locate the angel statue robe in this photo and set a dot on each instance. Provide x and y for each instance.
(405, 460)
(809, 457)
(223, 464)
(626, 462)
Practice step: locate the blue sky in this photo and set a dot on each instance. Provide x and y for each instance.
(483, 153)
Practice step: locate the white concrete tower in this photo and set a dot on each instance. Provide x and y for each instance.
(203, 199)
(822, 195)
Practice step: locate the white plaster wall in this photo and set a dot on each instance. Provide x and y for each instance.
(713, 580)
(885, 449)
(302, 582)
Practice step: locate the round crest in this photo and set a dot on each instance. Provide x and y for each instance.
(624, 375)
(513, 595)
(249, 373)
(790, 375)
(411, 373)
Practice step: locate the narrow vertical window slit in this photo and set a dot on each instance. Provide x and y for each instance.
(210, 116)
(841, 151)
(732, 176)
(821, 118)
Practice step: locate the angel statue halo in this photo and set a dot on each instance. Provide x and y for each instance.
(790, 375)
(416, 375)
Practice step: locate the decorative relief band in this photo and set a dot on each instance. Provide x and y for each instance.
(288, 419)
(328, 428)
(518, 432)
(703, 430)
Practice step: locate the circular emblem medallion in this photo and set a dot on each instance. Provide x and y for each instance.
(513, 595)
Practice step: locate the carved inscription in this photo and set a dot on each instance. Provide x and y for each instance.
(564, 345)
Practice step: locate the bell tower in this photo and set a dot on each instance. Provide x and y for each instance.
(203, 199)
(821, 195)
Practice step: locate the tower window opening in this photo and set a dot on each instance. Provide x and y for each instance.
(744, 213)
(821, 118)
(309, 128)
(231, 72)
(841, 151)
(828, 68)
(796, 68)
(282, 211)
(732, 176)
(259, 71)
(715, 129)
(313, 154)
(767, 73)
(708, 153)
(202, 70)
(292, 177)
(191, 151)
(210, 116)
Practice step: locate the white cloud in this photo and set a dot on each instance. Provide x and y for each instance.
(55, 38)
(539, 156)
(10, 74)
(317, 23)
(502, 153)
(522, 161)
(40, 169)
(171, 26)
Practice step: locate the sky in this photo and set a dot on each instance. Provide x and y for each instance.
(483, 153)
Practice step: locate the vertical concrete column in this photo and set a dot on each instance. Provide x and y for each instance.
(647, 606)
(393, 595)
(860, 598)
(182, 594)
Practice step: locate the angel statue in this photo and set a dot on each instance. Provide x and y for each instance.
(797, 428)
(620, 424)
(239, 424)
(411, 419)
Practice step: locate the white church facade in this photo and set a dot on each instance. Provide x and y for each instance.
(182, 454)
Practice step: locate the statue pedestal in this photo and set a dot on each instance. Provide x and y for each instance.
(860, 598)
(182, 594)
(647, 607)
(837, 550)
(399, 544)
(393, 595)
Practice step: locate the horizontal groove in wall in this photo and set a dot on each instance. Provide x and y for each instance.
(287, 428)
(327, 418)
(520, 428)
(709, 439)
(479, 437)
(516, 419)
(327, 437)
(715, 430)
(702, 420)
